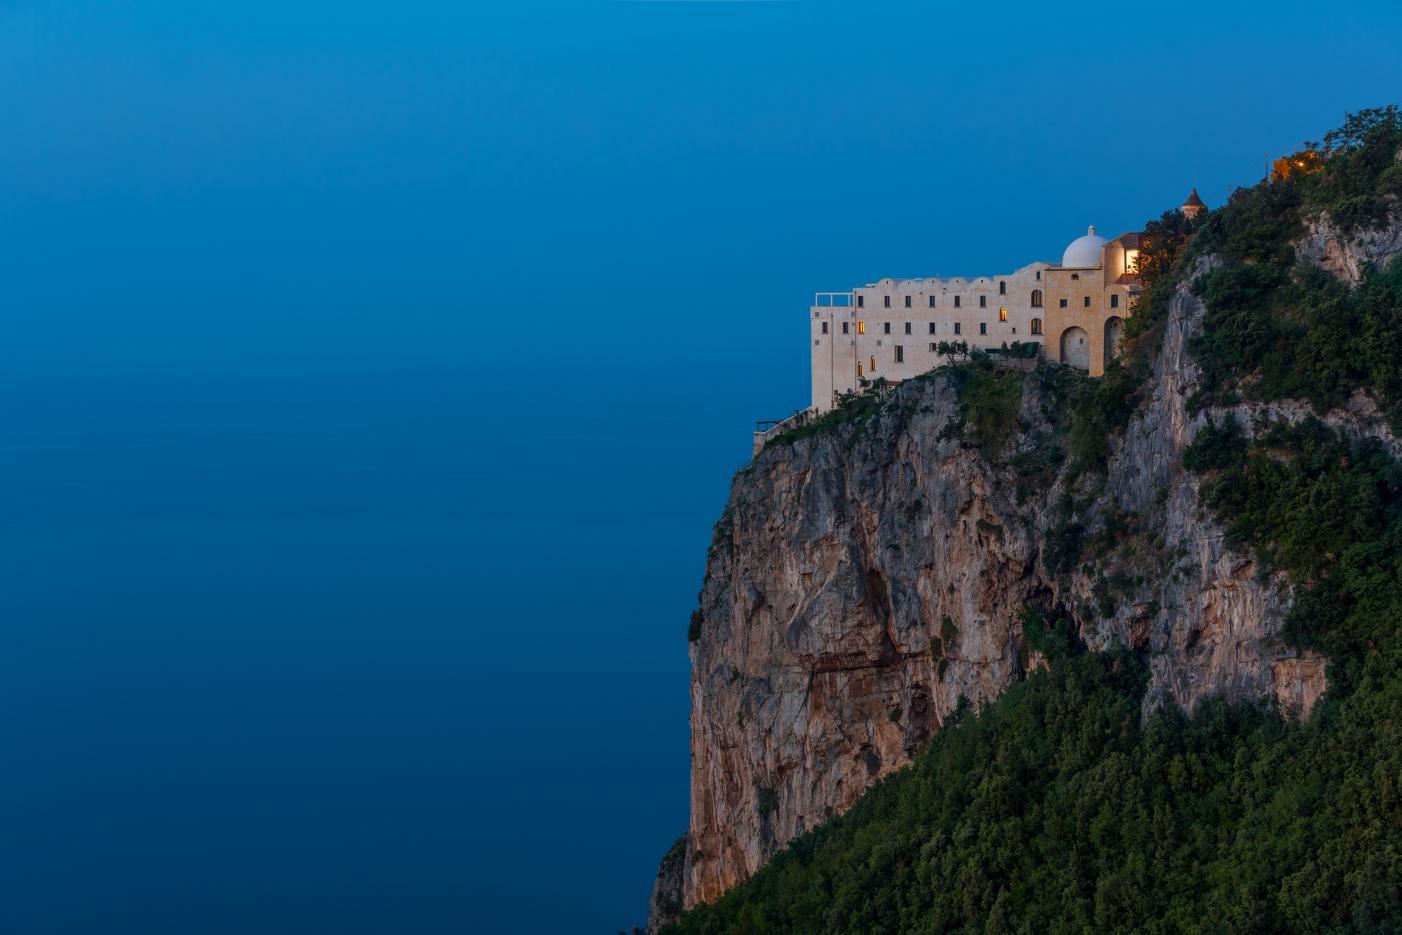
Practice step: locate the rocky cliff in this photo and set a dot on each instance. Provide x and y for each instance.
(865, 582)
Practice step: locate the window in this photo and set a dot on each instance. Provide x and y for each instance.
(886, 327)
(907, 327)
(815, 342)
(1087, 302)
(886, 299)
(844, 327)
(900, 354)
(956, 301)
(1075, 275)
(1114, 300)
(1063, 303)
(1036, 326)
(932, 327)
(983, 327)
(859, 368)
(861, 301)
(956, 328)
(1039, 275)
(873, 363)
(1036, 298)
(983, 301)
(932, 301)
(907, 301)
(862, 326)
(1002, 287)
(1002, 314)
(933, 347)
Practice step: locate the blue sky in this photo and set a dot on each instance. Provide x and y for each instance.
(375, 372)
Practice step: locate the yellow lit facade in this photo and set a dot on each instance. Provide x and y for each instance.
(1074, 310)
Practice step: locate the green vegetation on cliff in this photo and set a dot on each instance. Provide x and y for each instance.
(1277, 328)
(1057, 808)
(1054, 810)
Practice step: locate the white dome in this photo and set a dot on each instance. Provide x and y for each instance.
(1084, 251)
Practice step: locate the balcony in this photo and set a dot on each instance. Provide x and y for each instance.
(834, 300)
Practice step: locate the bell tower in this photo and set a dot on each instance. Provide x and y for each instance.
(1193, 206)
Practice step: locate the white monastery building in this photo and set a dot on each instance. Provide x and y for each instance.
(893, 328)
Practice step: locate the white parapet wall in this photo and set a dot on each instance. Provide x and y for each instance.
(762, 436)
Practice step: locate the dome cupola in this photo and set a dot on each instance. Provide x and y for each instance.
(1084, 252)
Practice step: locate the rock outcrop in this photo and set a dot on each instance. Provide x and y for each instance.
(1344, 255)
(665, 905)
(866, 582)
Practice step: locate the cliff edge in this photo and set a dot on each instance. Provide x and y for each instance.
(868, 581)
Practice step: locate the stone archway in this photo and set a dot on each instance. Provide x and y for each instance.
(1114, 331)
(1075, 347)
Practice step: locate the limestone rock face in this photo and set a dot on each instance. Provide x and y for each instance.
(1343, 255)
(824, 659)
(864, 583)
(1207, 618)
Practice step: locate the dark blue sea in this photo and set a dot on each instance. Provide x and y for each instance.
(346, 652)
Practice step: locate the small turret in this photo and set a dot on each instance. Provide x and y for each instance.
(1193, 206)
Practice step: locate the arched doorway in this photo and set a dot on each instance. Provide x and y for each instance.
(1114, 330)
(1075, 348)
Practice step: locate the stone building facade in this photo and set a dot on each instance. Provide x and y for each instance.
(893, 328)
(1074, 311)
(1088, 298)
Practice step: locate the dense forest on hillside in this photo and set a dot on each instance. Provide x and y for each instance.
(1057, 808)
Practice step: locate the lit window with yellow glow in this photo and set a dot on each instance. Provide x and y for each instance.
(861, 327)
(859, 368)
(873, 364)
(1131, 261)
(1002, 314)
